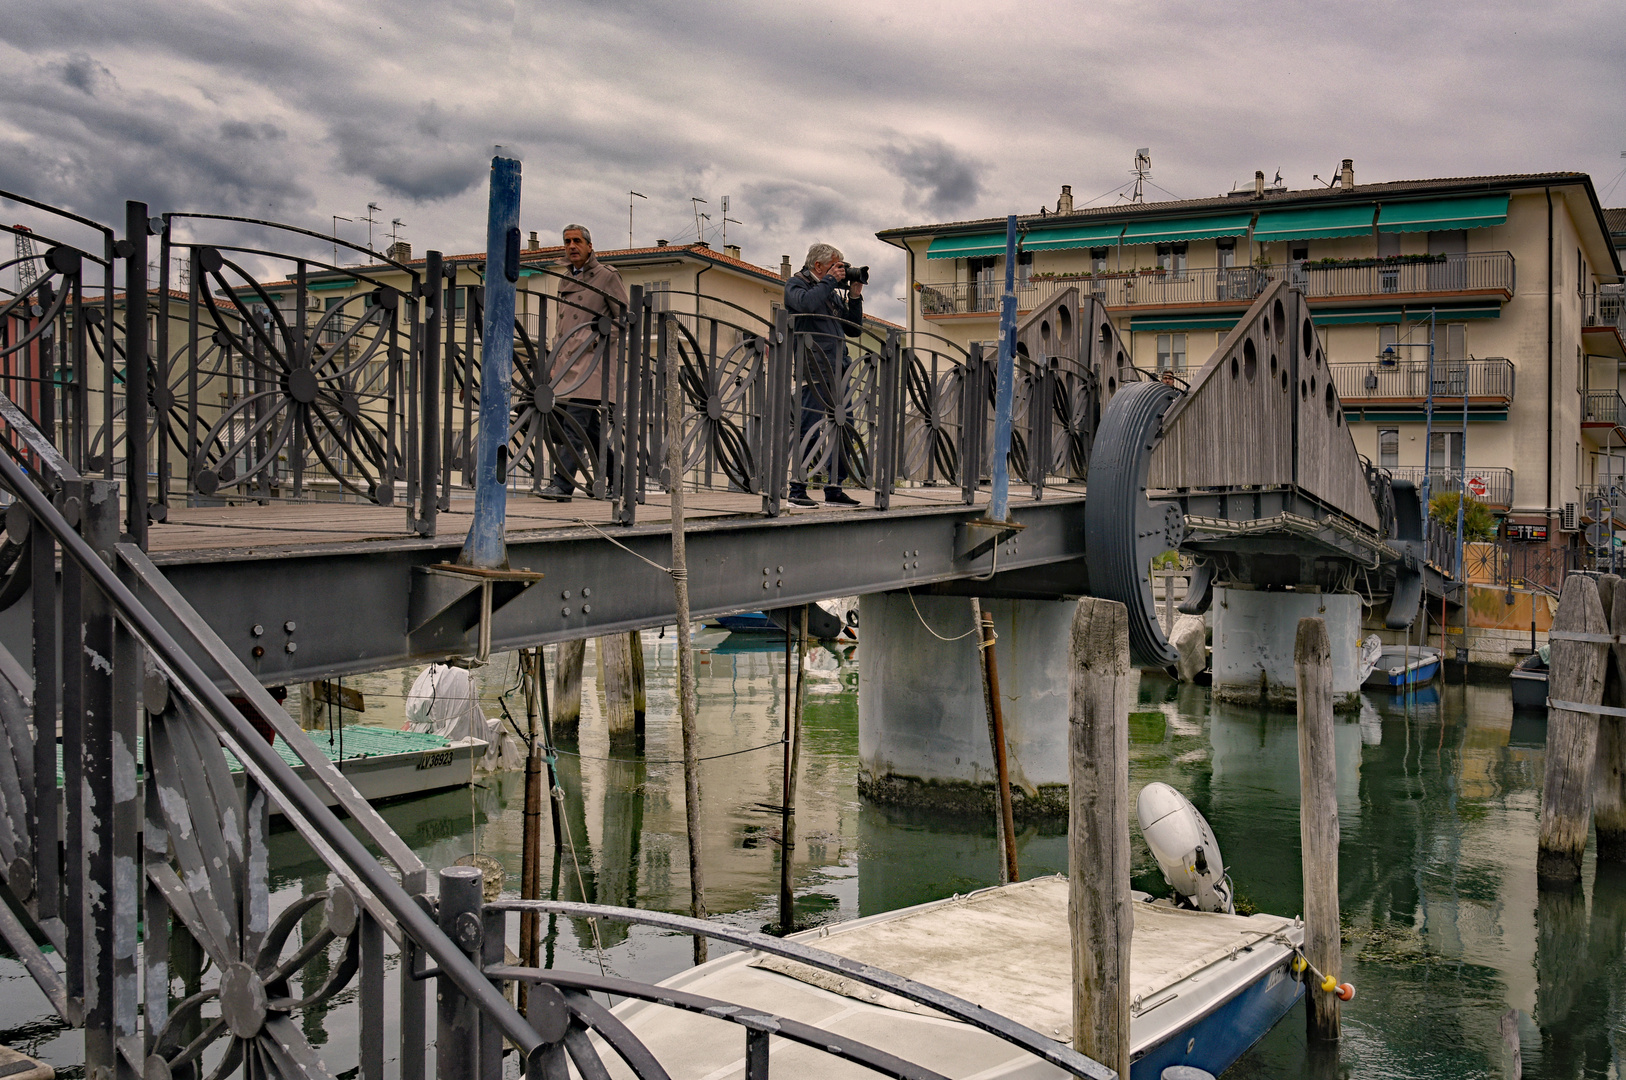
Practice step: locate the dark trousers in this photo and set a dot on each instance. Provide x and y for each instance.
(576, 444)
(816, 406)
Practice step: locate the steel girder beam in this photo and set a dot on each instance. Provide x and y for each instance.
(350, 606)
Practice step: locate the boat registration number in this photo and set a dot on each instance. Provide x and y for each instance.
(433, 759)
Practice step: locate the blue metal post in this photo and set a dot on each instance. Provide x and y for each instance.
(999, 506)
(485, 546)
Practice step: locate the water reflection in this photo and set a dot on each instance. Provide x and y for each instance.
(1438, 796)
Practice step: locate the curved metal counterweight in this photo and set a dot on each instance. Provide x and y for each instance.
(1123, 530)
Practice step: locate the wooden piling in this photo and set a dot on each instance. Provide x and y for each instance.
(567, 688)
(685, 656)
(996, 739)
(530, 873)
(1318, 822)
(795, 695)
(1609, 768)
(1575, 675)
(1098, 907)
(616, 672)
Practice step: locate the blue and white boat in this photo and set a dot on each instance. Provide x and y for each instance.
(1398, 668)
(1205, 985)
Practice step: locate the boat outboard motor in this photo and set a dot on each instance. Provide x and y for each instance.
(1185, 849)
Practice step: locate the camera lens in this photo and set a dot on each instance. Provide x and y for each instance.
(859, 274)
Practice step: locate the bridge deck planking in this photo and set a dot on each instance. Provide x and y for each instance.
(310, 525)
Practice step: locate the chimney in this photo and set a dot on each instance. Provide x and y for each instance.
(1064, 205)
(784, 267)
(1346, 174)
(533, 244)
(702, 244)
(660, 243)
(1259, 183)
(400, 252)
(732, 251)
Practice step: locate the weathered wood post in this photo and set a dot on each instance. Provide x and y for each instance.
(1098, 908)
(1318, 822)
(996, 738)
(1609, 770)
(567, 688)
(619, 676)
(1575, 677)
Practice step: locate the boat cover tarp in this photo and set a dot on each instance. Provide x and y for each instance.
(1009, 950)
(445, 701)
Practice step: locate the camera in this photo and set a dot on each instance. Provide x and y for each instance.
(860, 274)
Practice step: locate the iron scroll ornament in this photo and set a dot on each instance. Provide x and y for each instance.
(1120, 556)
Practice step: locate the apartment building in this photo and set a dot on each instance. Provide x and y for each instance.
(1514, 280)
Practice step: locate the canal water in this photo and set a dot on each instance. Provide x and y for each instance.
(1450, 945)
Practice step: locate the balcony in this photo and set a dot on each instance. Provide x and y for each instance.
(1605, 308)
(1486, 272)
(1405, 383)
(1491, 486)
(1604, 409)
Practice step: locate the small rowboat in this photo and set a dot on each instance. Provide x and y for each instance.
(1400, 668)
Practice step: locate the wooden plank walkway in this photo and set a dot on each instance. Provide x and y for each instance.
(286, 525)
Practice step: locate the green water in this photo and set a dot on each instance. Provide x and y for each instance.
(1445, 931)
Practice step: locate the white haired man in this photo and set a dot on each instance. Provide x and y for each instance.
(592, 291)
(826, 310)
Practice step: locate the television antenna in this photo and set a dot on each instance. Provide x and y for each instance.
(698, 203)
(727, 219)
(372, 208)
(630, 196)
(396, 225)
(1143, 173)
(336, 219)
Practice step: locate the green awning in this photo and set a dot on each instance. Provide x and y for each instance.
(1475, 212)
(967, 247)
(1395, 314)
(342, 283)
(1171, 231)
(1314, 223)
(1162, 325)
(1080, 236)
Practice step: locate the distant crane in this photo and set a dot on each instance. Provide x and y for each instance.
(28, 270)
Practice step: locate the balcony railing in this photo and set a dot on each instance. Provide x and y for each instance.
(1490, 380)
(1604, 408)
(1482, 271)
(1491, 486)
(1606, 307)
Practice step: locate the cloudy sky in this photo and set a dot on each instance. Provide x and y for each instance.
(819, 120)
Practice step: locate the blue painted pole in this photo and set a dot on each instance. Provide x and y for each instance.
(999, 506)
(485, 546)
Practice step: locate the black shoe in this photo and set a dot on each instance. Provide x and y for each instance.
(555, 491)
(798, 496)
(834, 496)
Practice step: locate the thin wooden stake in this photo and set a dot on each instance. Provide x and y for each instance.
(1575, 674)
(1103, 688)
(787, 788)
(1609, 771)
(1318, 822)
(996, 737)
(530, 874)
(685, 656)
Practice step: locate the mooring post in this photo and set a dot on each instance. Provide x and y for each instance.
(615, 669)
(1318, 825)
(567, 688)
(685, 658)
(996, 737)
(1609, 770)
(457, 1030)
(485, 546)
(1575, 678)
(530, 873)
(794, 690)
(1103, 689)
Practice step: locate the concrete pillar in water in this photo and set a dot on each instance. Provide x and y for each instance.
(922, 724)
(1254, 631)
(567, 688)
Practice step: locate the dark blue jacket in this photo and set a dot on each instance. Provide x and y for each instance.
(820, 312)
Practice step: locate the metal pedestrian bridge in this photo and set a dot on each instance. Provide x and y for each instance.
(249, 476)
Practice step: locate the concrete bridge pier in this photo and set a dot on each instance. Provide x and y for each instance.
(1254, 631)
(922, 720)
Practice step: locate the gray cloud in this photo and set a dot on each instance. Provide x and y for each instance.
(940, 180)
(822, 122)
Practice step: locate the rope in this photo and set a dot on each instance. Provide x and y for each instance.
(940, 637)
(558, 794)
(676, 574)
(668, 761)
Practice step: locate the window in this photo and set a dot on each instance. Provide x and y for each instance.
(1024, 267)
(1227, 253)
(1388, 448)
(1098, 260)
(660, 295)
(1445, 451)
(1300, 253)
(1172, 258)
(1171, 352)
